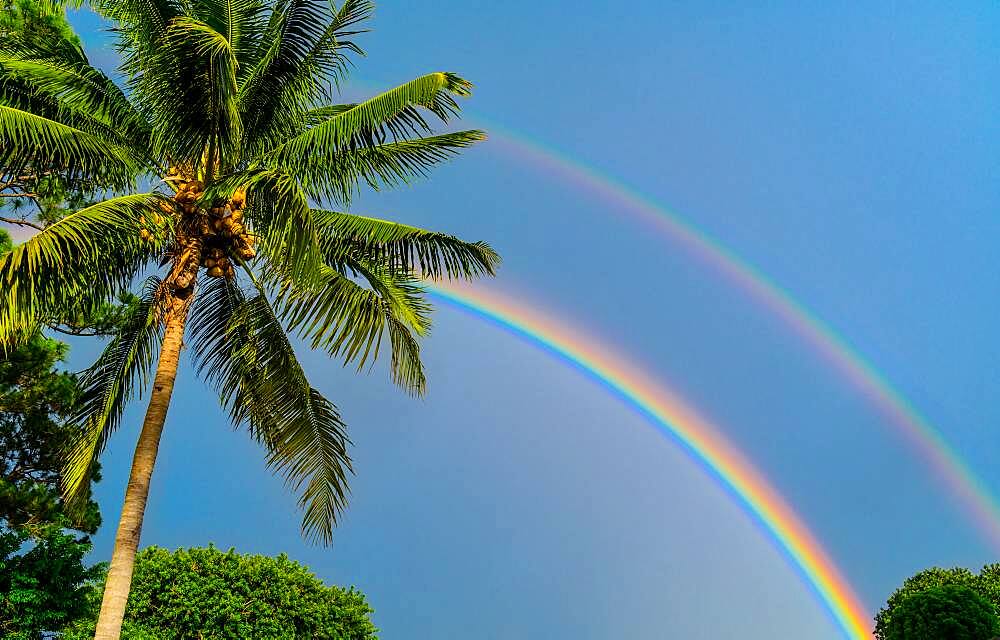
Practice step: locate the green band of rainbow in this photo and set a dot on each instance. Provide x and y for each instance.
(675, 418)
(956, 475)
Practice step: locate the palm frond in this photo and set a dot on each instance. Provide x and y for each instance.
(77, 86)
(27, 139)
(293, 30)
(146, 18)
(288, 81)
(121, 374)
(191, 88)
(407, 317)
(337, 175)
(242, 351)
(392, 112)
(77, 263)
(401, 247)
(349, 321)
(241, 23)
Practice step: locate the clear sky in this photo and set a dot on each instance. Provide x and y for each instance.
(848, 150)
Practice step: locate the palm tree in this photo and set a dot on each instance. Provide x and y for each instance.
(228, 112)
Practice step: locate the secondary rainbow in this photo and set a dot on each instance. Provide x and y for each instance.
(976, 499)
(673, 417)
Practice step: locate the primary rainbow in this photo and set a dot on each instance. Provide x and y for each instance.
(700, 439)
(970, 491)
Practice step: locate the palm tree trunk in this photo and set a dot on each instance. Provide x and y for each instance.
(119, 582)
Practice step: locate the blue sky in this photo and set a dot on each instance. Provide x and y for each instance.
(849, 152)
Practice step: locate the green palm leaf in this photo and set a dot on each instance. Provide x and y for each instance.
(336, 175)
(80, 88)
(297, 67)
(349, 321)
(27, 139)
(120, 375)
(192, 54)
(403, 247)
(144, 19)
(407, 317)
(364, 123)
(241, 23)
(84, 259)
(242, 350)
(350, 139)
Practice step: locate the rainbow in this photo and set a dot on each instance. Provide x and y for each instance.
(970, 491)
(700, 439)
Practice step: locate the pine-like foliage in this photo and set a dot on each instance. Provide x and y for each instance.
(228, 109)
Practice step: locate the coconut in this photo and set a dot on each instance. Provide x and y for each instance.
(208, 263)
(215, 272)
(239, 198)
(145, 235)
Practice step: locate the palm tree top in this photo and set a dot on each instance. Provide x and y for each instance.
(228, 109)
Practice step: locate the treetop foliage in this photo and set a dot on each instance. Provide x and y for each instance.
(43, 581)
(947, 612)
(985, 584)
(213, 594)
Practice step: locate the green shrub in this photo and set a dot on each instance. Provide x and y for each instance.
(950, 612)
(986, 584)
(43, 583)
(209, 594)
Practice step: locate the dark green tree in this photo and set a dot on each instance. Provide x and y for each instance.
(42, 575)
(211, 594)
(41, 19)
(926, 579)
(949, 612)
(43, 581)
(986, 584)
(36, 400)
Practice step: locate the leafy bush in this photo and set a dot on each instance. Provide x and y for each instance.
(950, 612)
(986, 584)
(43, 584)
(210, 594)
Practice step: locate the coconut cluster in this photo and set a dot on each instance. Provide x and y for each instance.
(149, 226)
(219, 229)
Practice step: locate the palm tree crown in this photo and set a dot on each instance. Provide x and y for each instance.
(228, 110)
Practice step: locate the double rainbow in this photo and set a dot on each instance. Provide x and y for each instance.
(674, 418)
(917, 430)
